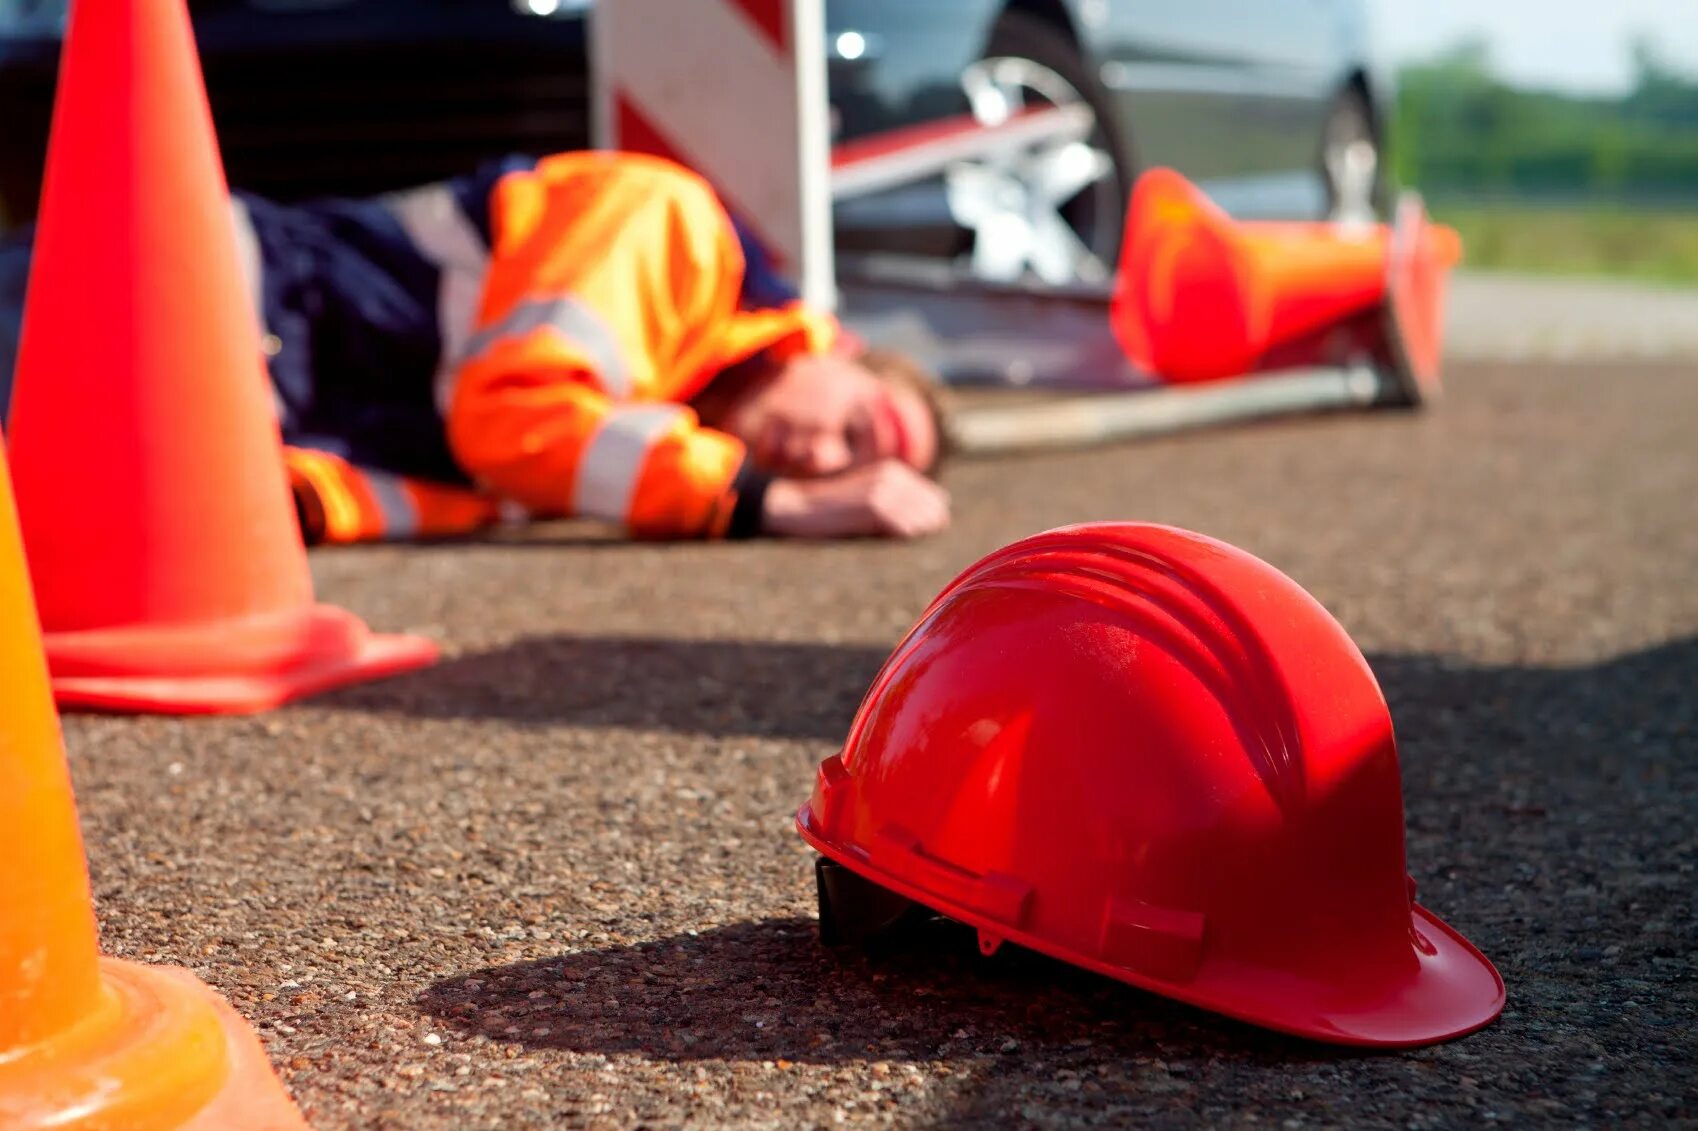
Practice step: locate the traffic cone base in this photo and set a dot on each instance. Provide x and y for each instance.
(229, 667)
(162, 1050)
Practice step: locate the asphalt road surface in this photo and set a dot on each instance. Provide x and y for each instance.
(1501, 316)
(553, 882)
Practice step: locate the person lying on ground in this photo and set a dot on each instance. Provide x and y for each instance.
(586, 334)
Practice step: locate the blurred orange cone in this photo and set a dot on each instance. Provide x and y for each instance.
(168, 566)
(1199, 296)
(1422, 255)
(89, 1042)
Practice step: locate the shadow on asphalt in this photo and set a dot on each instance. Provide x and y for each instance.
(770, 991)
(1552, 816)
(538, 534)
(1627, 716)
(719, 687)
(810, 690)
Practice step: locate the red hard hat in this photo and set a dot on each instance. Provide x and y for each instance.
(1153, 755)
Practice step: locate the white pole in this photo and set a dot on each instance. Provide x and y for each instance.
(813, 154)
(602, 56)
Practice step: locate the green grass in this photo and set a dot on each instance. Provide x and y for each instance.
(1651, 244)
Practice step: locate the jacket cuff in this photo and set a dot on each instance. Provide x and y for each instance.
(750, 490)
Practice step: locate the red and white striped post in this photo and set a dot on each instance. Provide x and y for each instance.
(736, 90)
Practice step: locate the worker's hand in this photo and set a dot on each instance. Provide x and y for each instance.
(885, 499)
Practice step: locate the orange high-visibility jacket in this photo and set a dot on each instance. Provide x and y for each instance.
(577, 303)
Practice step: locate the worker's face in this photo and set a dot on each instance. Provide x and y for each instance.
(821, 415)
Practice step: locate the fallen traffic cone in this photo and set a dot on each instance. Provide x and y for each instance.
(90, 1042)
(169, 569)
(1199, 296)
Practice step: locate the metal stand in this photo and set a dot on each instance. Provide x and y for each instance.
(1099, 418)
(972, 332)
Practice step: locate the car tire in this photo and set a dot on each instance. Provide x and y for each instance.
(1098, 213)
(1352, 166)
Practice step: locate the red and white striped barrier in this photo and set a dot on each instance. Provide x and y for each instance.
(736, 90)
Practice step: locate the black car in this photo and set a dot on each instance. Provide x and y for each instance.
(1273, 105)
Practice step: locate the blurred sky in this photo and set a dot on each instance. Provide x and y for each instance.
(1577, 44)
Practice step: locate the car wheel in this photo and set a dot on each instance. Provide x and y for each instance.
(1053, 210)
(1350, 161)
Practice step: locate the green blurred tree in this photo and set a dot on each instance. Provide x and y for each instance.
(1459, 130)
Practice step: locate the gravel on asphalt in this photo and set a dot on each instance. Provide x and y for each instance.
(554, 882)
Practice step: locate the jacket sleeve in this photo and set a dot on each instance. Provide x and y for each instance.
(612, 280)
(340, 502)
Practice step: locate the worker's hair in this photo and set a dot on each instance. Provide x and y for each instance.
(714, 402)
(903, 372)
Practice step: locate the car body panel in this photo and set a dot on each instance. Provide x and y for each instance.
(914, 53)
(350, 96)
(1215, 106)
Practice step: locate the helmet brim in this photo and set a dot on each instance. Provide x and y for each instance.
(1451, 990)
(1454, 990)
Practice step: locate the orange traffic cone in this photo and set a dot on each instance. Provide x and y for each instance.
(90, 1042)
(1422, 255)
(169, 569)
(1200, 297)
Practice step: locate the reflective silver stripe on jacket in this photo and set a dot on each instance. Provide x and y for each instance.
(247, 252)
(400, 516)
(573, 320)
(252, 264)
(610, 467)
(442, 232)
